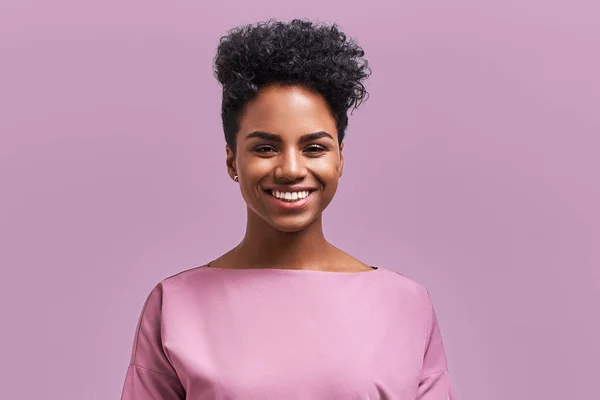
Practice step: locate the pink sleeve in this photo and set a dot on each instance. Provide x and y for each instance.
(435, 381)
(150, 374)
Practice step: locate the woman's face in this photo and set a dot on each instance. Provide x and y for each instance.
(288, 156)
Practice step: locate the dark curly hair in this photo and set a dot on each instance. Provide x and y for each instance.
(316, 56)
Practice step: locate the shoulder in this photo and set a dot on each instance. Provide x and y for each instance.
(402, 289)
(176, 285)
(188, 280)
(412, 296)
(402, 282)
(184, 276)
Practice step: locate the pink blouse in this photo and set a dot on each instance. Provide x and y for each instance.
(257, 334)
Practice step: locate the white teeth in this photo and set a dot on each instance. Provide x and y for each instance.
(290, 196)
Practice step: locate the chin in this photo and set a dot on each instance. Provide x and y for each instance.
(290, 226)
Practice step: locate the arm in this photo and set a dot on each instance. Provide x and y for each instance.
(435, 381)
(150, 374)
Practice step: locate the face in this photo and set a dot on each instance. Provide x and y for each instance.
(288, 157)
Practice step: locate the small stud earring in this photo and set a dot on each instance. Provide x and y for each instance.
(235, 178)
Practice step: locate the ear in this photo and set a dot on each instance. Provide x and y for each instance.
(230, 162)
(341, 160)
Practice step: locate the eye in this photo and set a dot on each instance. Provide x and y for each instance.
(315, 148)
(264, 149)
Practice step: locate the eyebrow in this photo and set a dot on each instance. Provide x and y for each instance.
(277, 138)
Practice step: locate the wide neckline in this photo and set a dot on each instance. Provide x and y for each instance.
(295, 271)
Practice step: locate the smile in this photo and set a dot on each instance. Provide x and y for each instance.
(290, 197)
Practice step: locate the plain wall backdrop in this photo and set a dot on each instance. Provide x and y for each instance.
(472, 169)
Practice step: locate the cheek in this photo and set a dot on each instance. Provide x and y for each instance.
(327, 171)
(252, 172)
(253, 169)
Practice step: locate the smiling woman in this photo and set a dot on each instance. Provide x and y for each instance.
(285, 314)
(285, 149)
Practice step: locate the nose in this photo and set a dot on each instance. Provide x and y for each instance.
(290, 167)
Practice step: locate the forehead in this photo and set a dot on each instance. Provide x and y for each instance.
(287, 110)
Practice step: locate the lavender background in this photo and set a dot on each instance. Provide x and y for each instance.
(472, 169)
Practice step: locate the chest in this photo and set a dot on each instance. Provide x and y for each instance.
(303, 352)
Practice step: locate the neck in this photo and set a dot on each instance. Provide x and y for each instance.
(266, 247)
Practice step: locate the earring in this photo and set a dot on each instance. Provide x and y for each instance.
(235, 178)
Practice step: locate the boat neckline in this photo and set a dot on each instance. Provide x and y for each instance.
(296, 271)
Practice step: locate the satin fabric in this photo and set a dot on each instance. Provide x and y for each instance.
(249, 334)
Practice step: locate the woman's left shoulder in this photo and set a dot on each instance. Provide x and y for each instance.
(402, 284)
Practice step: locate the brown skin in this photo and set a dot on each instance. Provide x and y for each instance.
(275, 237)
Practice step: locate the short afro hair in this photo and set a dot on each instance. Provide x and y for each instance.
(316, 56)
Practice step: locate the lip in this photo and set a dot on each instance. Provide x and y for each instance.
(285, 205)
(283, 188)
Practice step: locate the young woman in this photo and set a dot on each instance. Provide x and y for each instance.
(285, 314)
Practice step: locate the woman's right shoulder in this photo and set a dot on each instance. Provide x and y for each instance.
(176, 288)
(192, 276)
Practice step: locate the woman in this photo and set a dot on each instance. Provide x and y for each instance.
(285, 314)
